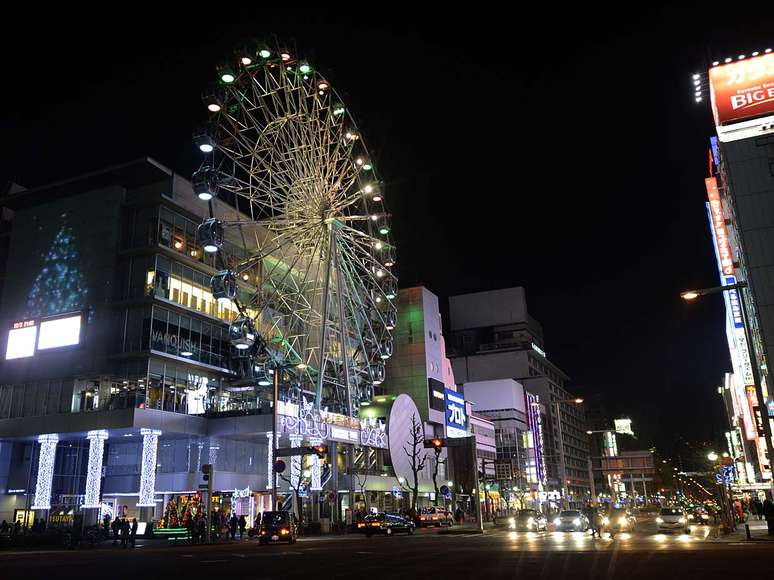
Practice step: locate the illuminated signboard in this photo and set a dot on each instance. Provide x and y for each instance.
(719, 227)
(623, 426)
(456, 418)
(60, 332)
(742, 89)
(21, 339)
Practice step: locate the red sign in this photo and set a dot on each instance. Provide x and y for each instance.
(742, 89)
(719, 225)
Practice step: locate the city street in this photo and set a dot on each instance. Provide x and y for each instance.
(426, 554)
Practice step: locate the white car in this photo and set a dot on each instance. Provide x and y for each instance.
(674, 518)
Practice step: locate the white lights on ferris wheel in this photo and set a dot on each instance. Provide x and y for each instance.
(324, 291)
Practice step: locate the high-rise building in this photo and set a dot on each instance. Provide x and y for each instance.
(740, 190)
(494, 337)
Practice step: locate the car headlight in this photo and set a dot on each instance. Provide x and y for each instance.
(622, 521)
(659, 520)
(682, 520)
(557, 522)
(512, 522)
(605, 521)
(576, 521)
(530, 521)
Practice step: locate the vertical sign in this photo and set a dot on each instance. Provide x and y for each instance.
(719, 227)
(456, 418)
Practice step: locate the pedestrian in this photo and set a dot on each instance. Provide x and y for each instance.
(125, 529)
(4, 528)
(202, 530)
(17, 528)
(768, 513)
(133, 532)
(42, 525)
(116, 527)
(591, 514)
(232, 525)
(758, 507)
(242, 526)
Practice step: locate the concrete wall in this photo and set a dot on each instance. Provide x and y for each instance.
(493, 308)
(495, 395)
(485, 367)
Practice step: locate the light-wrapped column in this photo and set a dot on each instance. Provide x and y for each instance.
(270, 463)
(316, 468)
(150, 444)
(45, 471)
(295, 462)
(94, 473)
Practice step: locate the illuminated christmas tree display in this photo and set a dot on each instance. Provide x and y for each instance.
(171, 517)
(59, 286)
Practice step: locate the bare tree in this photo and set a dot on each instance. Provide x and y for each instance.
(417, 458)
(295, 488)
(362, 479)
(437, 463)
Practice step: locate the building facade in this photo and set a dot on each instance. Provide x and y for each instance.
(119, 380)
(494, 337)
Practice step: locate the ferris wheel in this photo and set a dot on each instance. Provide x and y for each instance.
(314, 282)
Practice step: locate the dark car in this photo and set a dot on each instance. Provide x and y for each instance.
(528, 521)
(387, 524)
(699, 515)
(278, 527)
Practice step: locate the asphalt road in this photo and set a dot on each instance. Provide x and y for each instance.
(427, 554)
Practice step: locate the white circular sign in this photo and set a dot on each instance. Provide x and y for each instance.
(400, 437)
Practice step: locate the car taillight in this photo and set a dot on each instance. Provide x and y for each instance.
(361, 525)
(423, 518)
(375, 525)
(435, 517)
(263, 532)
(284, 531)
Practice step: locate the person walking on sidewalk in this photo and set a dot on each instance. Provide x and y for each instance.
(758, 508)
(116, 527)
(232, 525)
(242, 526)
(133, 532)
(768, 513)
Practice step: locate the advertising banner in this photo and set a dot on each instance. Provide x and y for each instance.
(720, 234)
(742, 89)
(456, 418)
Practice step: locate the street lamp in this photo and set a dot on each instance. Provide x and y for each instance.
(712, 456)
(689, 295)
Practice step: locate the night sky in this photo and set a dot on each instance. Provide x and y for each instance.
(561, 151)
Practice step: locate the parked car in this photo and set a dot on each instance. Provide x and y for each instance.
(571, 521)
(387, 524)
(278, 527)
(435, 516)
(528, 521)
(673, 518)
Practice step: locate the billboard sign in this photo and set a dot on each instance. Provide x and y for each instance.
(456, 418)
(742, 89)
(719, 227)
(623, 426)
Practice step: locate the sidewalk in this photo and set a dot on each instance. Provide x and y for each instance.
(758, 533)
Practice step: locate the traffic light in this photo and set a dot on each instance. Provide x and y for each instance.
(206, 471)
(320, 450)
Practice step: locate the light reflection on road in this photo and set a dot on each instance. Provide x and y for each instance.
(583, 541)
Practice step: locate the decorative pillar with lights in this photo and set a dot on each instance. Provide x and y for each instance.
(150, 441)
(94, 473)
(45, 471)
(295, 462)
(316, 468)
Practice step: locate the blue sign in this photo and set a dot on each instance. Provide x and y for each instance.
(456, 418)
(396, 492)
(715, 151)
